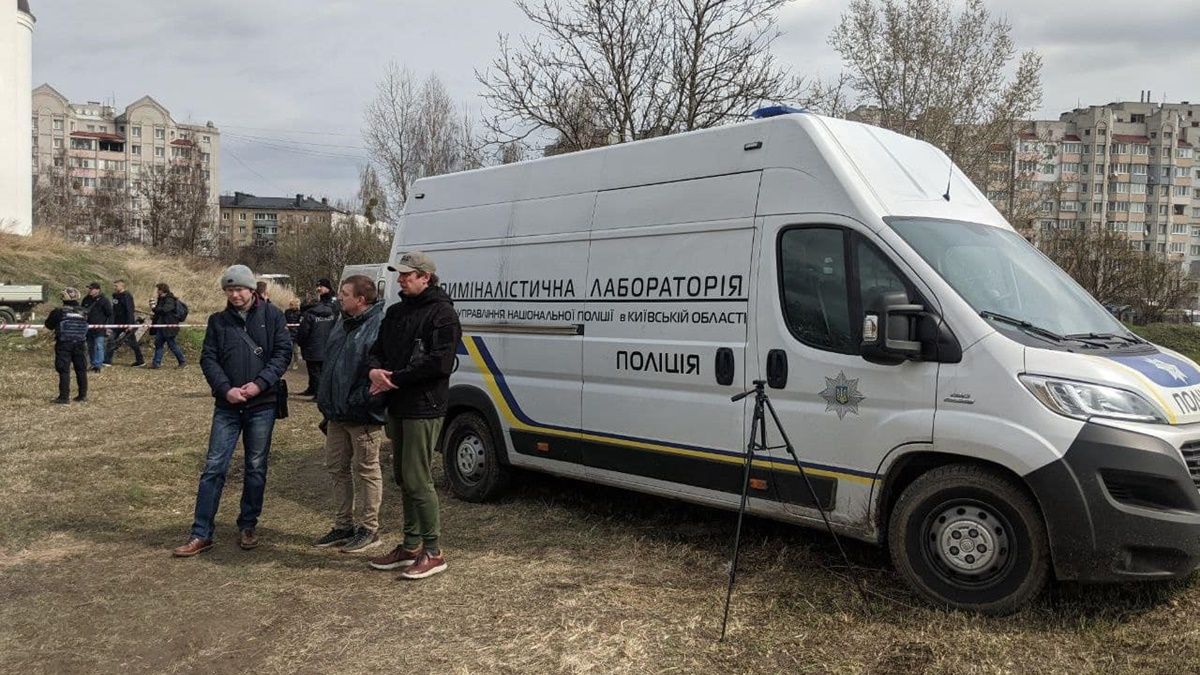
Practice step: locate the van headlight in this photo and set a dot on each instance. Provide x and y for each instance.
(1083, 400)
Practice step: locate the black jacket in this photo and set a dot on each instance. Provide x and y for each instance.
(422, 374)
(99, 311)
(56, 317)
(315, 327)
(123, 308)
(344, 394)
(165, 312)
(228, 361)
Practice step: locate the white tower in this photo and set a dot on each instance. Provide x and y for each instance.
(16, 111)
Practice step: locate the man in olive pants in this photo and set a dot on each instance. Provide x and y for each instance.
(411, 363)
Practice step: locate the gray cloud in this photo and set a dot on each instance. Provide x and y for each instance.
(276, 73)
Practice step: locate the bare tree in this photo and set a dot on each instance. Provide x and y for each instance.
(611, 71)
(94, 207)
(372, 198)
(413, 131)
(324, 249)
(173, 198)
(1105, 263)
(938, 75)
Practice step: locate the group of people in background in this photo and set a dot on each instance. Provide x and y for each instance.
(84, 340)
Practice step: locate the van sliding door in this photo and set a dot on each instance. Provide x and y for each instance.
(668, 285)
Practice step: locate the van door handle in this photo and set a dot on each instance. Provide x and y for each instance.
(725, 366)
(777, 368)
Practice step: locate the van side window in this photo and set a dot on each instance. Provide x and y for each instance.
(812, 264)
(876, 275)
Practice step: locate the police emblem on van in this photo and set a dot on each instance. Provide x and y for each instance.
(841, 395)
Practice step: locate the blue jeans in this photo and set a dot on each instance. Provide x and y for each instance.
(168, 340)
(96, 350)
(255, 428)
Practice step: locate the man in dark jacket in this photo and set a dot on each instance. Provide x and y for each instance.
(246, 351)
(123, 313)
(314, 333)
(166, 311)
(70, 326)
(411, 361)
(354, 419)
(99, 312)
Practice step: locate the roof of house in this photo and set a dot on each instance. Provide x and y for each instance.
(23, 6)
(1072, 138)
(242, 200)
(182, 141)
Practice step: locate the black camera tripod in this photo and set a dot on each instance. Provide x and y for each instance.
(758, 443)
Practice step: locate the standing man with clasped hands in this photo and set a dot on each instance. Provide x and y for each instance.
(411, 363)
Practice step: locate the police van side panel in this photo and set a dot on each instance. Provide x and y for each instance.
(669, 291)
(517, 290)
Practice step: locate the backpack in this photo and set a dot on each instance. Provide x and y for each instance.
(73, 327)
(181, 311)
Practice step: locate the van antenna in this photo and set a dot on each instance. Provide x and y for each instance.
(948, 179)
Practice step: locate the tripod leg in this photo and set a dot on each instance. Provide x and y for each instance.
(787, 443)
(758, 421)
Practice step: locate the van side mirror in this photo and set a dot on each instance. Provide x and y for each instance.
(890, 327)
(895, 330)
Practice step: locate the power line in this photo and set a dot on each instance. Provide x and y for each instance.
(298, 150)
(290, 140)
(256, 173)
(291, 131)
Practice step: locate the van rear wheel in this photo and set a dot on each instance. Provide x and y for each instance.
(969, 538)
(470, 459)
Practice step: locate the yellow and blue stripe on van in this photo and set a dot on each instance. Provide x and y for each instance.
(710, 468)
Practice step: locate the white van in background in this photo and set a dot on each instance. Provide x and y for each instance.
(377, 272)
(953, 394)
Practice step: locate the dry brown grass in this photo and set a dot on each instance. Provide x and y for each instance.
(558, 577)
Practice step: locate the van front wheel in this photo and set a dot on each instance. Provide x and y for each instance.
(969, 538)
(470, 459)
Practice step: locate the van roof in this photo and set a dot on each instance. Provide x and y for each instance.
(887, 173)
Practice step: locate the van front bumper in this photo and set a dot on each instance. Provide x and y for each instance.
(1119, 506)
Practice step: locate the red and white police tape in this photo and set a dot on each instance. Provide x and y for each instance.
(38, 326)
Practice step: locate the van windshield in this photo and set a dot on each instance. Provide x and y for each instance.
(996, 271)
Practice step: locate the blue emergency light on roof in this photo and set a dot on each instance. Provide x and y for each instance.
(775, 111)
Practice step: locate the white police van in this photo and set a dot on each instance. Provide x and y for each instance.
(951, 391)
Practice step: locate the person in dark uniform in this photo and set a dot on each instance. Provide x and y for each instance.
(70, 326)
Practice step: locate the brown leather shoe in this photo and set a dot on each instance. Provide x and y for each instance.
(194, 546)
(248, 540)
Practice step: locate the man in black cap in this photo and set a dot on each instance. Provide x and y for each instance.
(123, 313)
(411, 362)
(99, 312)
(313, 333)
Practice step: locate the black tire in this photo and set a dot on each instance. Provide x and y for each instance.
(471, 460)
(7, 316)
(968, 537)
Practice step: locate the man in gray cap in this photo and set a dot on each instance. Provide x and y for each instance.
(247, 348)
(411, 363)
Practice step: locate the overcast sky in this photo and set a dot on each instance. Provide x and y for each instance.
(279, 77)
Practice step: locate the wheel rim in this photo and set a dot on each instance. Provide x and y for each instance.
(470, 457)
(968, 543)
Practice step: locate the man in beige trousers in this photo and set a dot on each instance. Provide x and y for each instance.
(353, 419)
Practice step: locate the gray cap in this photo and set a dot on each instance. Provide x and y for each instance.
(413, 261)
(237, 275)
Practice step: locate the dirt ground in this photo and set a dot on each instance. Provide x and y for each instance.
(559, 576)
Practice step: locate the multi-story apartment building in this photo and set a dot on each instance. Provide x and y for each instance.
(101, 147)
(1128, 166)
(247, 220)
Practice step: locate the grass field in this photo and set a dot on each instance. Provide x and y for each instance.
(557, 577)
